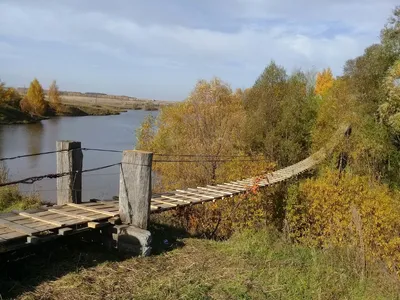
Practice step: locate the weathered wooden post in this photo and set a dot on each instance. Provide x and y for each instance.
(69, 159)
(135, 188)
(134, 202)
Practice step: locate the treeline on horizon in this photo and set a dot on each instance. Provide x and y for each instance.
(351, 201)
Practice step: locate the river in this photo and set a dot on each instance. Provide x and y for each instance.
(106, 132)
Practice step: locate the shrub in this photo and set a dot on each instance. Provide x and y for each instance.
(352, 210)
(11, 198)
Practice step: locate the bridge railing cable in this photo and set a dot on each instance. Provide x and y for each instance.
(207, 160)
(195, 155)
(31, 180)
(30, 155)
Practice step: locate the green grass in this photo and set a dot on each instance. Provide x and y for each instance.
(250, 265)
(11, 198)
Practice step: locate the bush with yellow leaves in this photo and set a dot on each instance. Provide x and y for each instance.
(346, 210)
(257, 208)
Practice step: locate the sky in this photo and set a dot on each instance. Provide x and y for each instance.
(158, 49)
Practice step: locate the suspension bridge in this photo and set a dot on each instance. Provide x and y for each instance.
(19, 229)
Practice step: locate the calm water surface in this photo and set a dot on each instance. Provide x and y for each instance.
(107, 132)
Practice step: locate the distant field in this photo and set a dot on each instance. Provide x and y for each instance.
(114, 102)
(107, 101)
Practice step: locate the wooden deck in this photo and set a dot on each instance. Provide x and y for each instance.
(18, 229)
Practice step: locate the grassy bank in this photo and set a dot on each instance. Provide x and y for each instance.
(84, 110)
(11, 115)
(251, 265)
(11, 198)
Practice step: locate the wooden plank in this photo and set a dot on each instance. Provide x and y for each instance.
(17, 227)
(86, 213)
(230, 188)
(197, 194)
(176, 199)
(164, 202)
(197, 199)
(223, 188)
(237, 186)
(65, 231)
(93, 210)
(12, 235)
(97, 204)
(223, 194)
(115, 220)
(36, 225)
(214, 195)
(53, 222)
(95, 225)
(243, 185)
(154, 207)
(60, 212)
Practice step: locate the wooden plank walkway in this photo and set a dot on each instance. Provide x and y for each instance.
(21, 228)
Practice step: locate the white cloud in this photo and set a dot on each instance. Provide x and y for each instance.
(243, 33)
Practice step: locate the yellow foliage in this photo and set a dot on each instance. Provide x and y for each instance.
(54, 95)
(9, 96)
(254, 209)
(351, 210)
(324, 82)
(207, 126)
(35, 102)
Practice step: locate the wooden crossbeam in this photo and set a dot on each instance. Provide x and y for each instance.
(153, 206)
(95, 225)
(17, 227)
(222, 193)
(177, 193)
(107, 213)
(196, 194)
(176, 199)
(213, 195)
(224, 189)
(164, 202)
(230, 188)
(237, 186)
(69, 214)
(33, 217)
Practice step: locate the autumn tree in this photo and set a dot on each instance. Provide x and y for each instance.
(280, 112)
(34, 101)
(54, 96)
(366, 73)
(207, 126)
(324, 82)
(9, 96)
(389, 111)
(54, 93)
(390, 34)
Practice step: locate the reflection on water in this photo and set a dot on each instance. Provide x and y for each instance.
(34, 137)
(107, 132)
